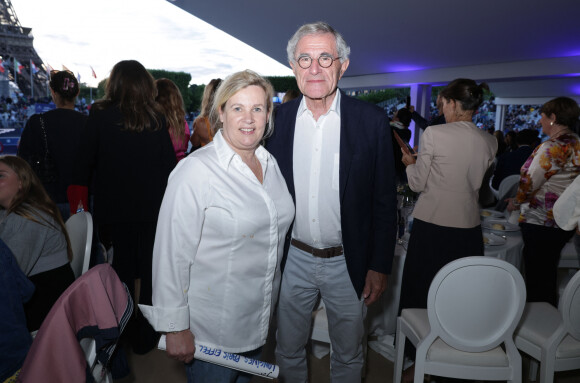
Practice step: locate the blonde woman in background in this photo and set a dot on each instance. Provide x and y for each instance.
(202, 131)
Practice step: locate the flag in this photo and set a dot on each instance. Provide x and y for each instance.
(33, 67)
(1, 66)
(94, 74)
(65, 68)
(79, 77)
(17, 66)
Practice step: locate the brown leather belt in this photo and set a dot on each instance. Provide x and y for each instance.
(329, 252)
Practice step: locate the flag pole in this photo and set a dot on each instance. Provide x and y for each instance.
(15, 72)
(91, 92)
(31, 83)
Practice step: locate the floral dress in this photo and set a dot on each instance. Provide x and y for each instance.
(545, 175)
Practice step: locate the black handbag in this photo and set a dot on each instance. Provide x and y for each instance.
(44, 166)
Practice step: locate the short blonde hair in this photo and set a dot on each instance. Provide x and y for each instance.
(232, 85)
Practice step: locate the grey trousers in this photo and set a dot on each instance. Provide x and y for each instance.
(304, 278)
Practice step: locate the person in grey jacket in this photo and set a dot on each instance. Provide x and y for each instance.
(33, 229)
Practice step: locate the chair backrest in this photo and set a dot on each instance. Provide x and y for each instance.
(475, 303)
(80, 232)
(569, 306)
(506, 184)
(97, 305)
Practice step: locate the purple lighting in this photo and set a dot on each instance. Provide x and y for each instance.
(575, 89)
(401, 68)
(573, 52)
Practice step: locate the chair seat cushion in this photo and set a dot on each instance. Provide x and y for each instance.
(539, 321)
(441, 352)
(569, 348)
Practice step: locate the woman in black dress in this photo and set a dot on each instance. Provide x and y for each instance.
(126, 147)
(62, 129)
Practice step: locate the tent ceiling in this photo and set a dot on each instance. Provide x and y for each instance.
(522, 48)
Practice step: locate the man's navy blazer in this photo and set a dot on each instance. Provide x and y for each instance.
(368, 206)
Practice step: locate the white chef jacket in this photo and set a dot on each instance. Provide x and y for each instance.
(218, 246)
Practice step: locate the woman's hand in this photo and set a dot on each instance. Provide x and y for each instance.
(180, 345)
(408, 158)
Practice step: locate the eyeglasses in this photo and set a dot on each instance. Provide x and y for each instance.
(325, 61)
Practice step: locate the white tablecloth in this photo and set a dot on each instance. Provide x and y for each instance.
(511, 251)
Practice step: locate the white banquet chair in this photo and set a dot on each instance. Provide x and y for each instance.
(80, 232)
(505, 186)
(552, 336)
(568, 257)
(473, 307)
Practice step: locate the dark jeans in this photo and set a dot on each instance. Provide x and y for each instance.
(542, 248)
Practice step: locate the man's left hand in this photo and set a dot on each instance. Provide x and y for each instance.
(375, 285)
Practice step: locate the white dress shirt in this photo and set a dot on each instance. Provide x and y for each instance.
(218, 247)
(316, 176)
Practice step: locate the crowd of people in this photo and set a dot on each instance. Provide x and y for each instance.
(517, 117)
(270, 209)
(15, 112)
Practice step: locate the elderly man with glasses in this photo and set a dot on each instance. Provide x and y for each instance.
(335, 153)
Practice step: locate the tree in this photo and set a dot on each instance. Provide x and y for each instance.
(375, 97)
(283, 83)
(86, 92)
(196, 94)
(193, 94)
(101, 89)
(181, 79)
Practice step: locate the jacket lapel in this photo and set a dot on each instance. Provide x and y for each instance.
(287, 131)
(348, 140)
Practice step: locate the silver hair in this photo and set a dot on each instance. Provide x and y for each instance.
(319, 27)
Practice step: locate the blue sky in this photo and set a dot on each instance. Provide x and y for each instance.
(82, 33)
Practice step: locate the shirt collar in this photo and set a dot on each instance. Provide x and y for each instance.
(226, 154)
(334, 107)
